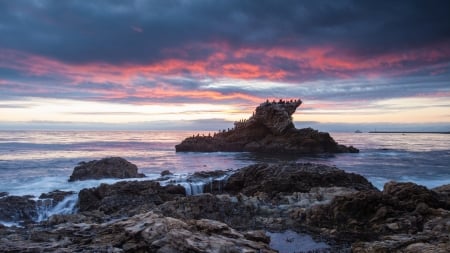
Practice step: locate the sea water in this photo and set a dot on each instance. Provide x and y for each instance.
(35, 162)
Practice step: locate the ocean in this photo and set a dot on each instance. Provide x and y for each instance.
(35, 162)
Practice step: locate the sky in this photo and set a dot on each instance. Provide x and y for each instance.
(181, 64)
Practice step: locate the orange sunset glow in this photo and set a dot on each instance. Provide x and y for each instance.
(139, 73)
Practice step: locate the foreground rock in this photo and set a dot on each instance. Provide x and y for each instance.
(405, 217)
(251, 212)
(339, 207)
(128, 197)
(27, 209)
(18, 209)
(270, 129)
(147, 232)
(112, 167)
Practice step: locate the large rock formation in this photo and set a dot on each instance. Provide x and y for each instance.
(291, 177)
(270, 129)
(111, 167)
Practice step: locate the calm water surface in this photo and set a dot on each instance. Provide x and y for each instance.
(36, 162)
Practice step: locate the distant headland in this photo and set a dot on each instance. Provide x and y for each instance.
(407, 132)
(269, 129)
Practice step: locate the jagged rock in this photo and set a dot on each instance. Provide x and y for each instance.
(366, 215)
(444, 192)
(147, 232)
(291, 177)
(434, 238)
(127, 197)
(111, 167)
(270, 129)
(251, 212)
(56, 196)
(18, 209)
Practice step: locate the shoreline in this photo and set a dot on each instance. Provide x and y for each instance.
(275, 198)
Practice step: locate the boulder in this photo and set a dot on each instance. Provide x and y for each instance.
(111, 167)
(291, 177)
(269, 130)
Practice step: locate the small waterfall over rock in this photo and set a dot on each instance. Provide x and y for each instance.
(193, 188)
(196, 184)
(45, 208)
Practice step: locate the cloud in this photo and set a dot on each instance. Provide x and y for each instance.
(332, 54)
(140, 31)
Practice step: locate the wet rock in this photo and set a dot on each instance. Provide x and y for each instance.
(199, 175)
(367, 215)
(269, 130)
(18, 209)
(291, 177)
(166, 173)
(127, 197)
(227, 209)
(112, 167)
(56, 196)
(213, 181)
(251, 212)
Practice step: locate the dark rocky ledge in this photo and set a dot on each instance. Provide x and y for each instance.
(269, 129)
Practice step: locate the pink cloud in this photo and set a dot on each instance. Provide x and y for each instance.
(226, 62)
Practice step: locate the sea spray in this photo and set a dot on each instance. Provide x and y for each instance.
(45, 207)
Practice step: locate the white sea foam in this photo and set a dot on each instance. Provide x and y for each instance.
(37, 185)
(45, 208)
(10, 224)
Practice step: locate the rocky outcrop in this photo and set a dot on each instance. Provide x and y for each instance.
(56, 196)
(147, 232)
(111, 167)
(128, 197)
(342, 208)
(269, 130)
(243, 212)
(18, 209)
(291, 177)
(26, 209)
(391, 220)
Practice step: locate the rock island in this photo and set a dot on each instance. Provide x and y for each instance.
(269, 130)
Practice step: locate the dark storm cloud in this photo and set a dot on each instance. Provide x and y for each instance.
(145, 31)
